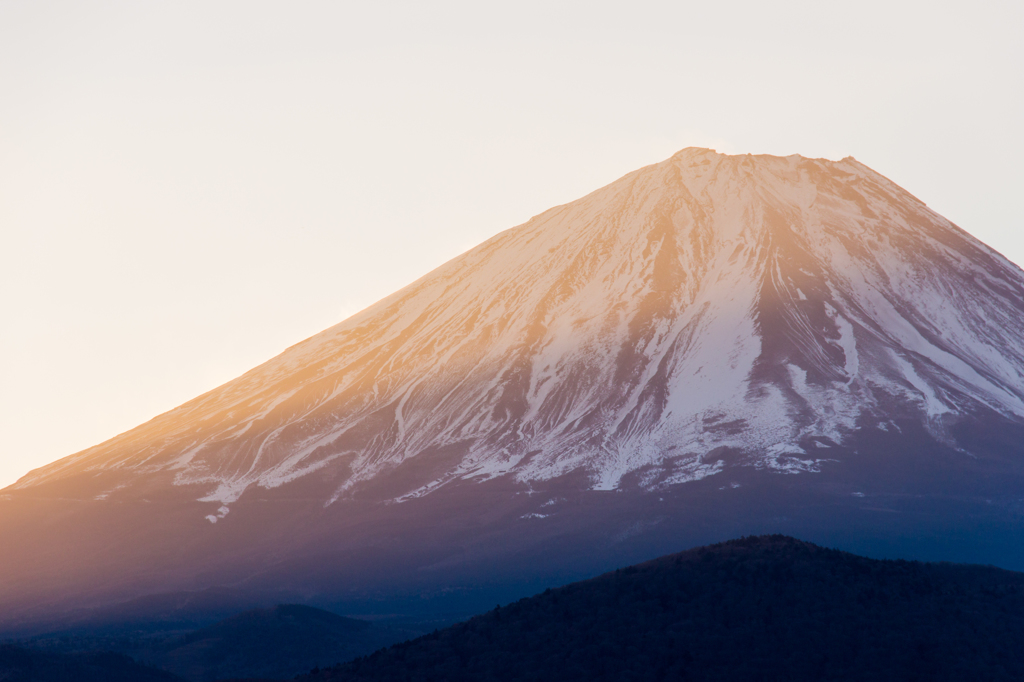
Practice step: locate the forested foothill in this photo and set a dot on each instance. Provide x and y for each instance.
(755, 609)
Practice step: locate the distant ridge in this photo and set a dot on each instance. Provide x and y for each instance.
(274, 643)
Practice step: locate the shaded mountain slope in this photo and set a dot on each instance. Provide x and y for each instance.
(764, 608)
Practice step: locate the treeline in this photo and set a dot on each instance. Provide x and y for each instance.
(756, 609)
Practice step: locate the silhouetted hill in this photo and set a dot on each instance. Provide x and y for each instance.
(274, 643)
(25, 665)
(756, 609)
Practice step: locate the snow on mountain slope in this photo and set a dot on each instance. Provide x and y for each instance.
(698, 307)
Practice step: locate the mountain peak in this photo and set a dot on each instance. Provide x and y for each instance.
(688, 152)
(706, 152)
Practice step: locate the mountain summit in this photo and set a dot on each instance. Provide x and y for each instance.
(707, 323)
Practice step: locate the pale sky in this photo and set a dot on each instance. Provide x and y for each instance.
(187, 188)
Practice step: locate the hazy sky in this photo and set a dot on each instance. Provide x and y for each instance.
(186, 188)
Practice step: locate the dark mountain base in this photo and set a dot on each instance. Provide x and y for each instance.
(469, 545)
(765, 608)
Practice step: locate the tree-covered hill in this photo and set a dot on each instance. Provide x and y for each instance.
(760, 608)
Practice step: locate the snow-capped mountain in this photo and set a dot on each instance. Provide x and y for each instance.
(702, 319)
(759, 303)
